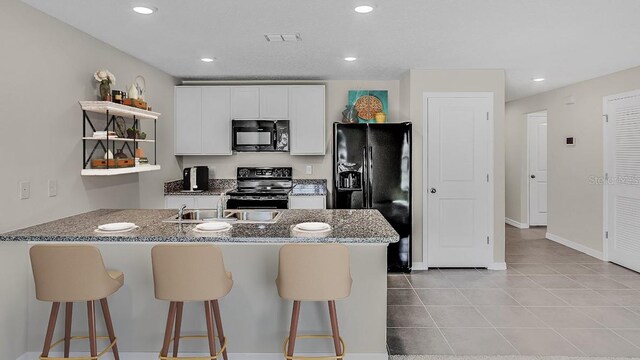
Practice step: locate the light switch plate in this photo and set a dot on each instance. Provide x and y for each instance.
(309, 170)
(25, 190)
(53, 188)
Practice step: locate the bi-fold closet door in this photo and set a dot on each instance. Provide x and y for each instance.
(622, 179)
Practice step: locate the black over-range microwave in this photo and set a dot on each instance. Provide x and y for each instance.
(260, 135)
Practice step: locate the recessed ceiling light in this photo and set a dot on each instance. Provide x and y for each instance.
(538, 79)
(207, 60)
(144, 10)
(350, 58)
(364, 9)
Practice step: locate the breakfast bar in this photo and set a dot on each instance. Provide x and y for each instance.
(256, 319)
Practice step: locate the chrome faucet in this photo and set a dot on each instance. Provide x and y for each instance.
(181, 211)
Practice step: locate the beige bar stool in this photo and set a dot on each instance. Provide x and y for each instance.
(189, 272)
(70, 273)
(314, 272)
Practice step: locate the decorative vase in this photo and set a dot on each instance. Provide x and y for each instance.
(381, 117)
(105, 90)
(350, 115)
(133, 92)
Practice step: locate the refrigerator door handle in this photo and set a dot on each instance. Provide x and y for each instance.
(369, 171)
(365, 177)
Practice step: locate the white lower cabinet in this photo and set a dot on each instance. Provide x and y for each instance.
(192, 202)
(307, 202)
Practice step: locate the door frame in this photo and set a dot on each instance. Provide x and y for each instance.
(491, 170)
(605, 167)
(528, 166)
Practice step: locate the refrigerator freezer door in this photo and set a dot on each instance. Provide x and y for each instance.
(390, 185)
(349, 160)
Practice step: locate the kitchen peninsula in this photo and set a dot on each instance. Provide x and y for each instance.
(256, 320)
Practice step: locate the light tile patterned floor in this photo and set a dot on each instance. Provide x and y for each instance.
(552, 301)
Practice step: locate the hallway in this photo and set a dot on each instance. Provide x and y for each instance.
(552, 300)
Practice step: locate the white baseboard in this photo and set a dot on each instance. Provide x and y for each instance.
(574, 245)
(232, 356)
(519, 225)
(498, 266)
(419, 266)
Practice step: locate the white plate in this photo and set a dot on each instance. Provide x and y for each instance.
(313, 226)
(213, 226)
(117, 226)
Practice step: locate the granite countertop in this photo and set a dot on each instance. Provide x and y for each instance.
(349, 226)
(301, 187)
(309, 190)
(216, 187)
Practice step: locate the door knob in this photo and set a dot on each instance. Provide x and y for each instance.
(433, 190)
(533, 176)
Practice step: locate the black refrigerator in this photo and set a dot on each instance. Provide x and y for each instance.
(372, 170)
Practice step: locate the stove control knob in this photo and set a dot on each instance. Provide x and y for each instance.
(243, 173)
(286, 172)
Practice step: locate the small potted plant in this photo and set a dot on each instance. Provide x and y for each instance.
(106, 79)
(143, 135)
(133, 133)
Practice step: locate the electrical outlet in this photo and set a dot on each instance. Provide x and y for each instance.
(309, 170)
(53, 188)
(25, 190)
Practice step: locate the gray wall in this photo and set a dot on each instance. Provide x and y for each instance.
(47, 67)
(574, 204)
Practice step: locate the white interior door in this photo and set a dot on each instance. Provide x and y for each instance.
(537, 140)
(457, 186)
(622, 185)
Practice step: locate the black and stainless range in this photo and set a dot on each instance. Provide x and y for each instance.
(261, 188)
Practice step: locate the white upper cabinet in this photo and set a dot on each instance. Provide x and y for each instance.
(216, 120)
(188, 120)
(203, 116)
(274, 102)
(245, 102)
(202, 120)
(307, 120)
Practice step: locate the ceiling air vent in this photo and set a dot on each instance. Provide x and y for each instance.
(283, 37)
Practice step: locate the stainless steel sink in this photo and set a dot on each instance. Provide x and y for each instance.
(240, 216)
(268, 216)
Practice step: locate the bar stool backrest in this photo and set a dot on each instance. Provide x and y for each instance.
(67, 273)
(314, 272)
(189, 272)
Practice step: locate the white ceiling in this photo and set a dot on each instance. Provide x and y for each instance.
(564, 41)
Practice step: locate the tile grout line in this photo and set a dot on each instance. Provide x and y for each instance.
(606, 327)
(489, 322)
(587, 287)
(544, 322)
(432, 319)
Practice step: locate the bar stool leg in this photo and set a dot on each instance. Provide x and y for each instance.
(334, 327)
(210, 333)
(295, 315)
(50, 328)
(68, 316)
(218, 318)
(91, 315)
(167, 331)
(176, 333)
(107, 319)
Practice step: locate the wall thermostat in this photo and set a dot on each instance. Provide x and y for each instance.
(570, 141)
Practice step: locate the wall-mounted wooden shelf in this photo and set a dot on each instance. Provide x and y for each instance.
(102, 107)
(119, 171)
